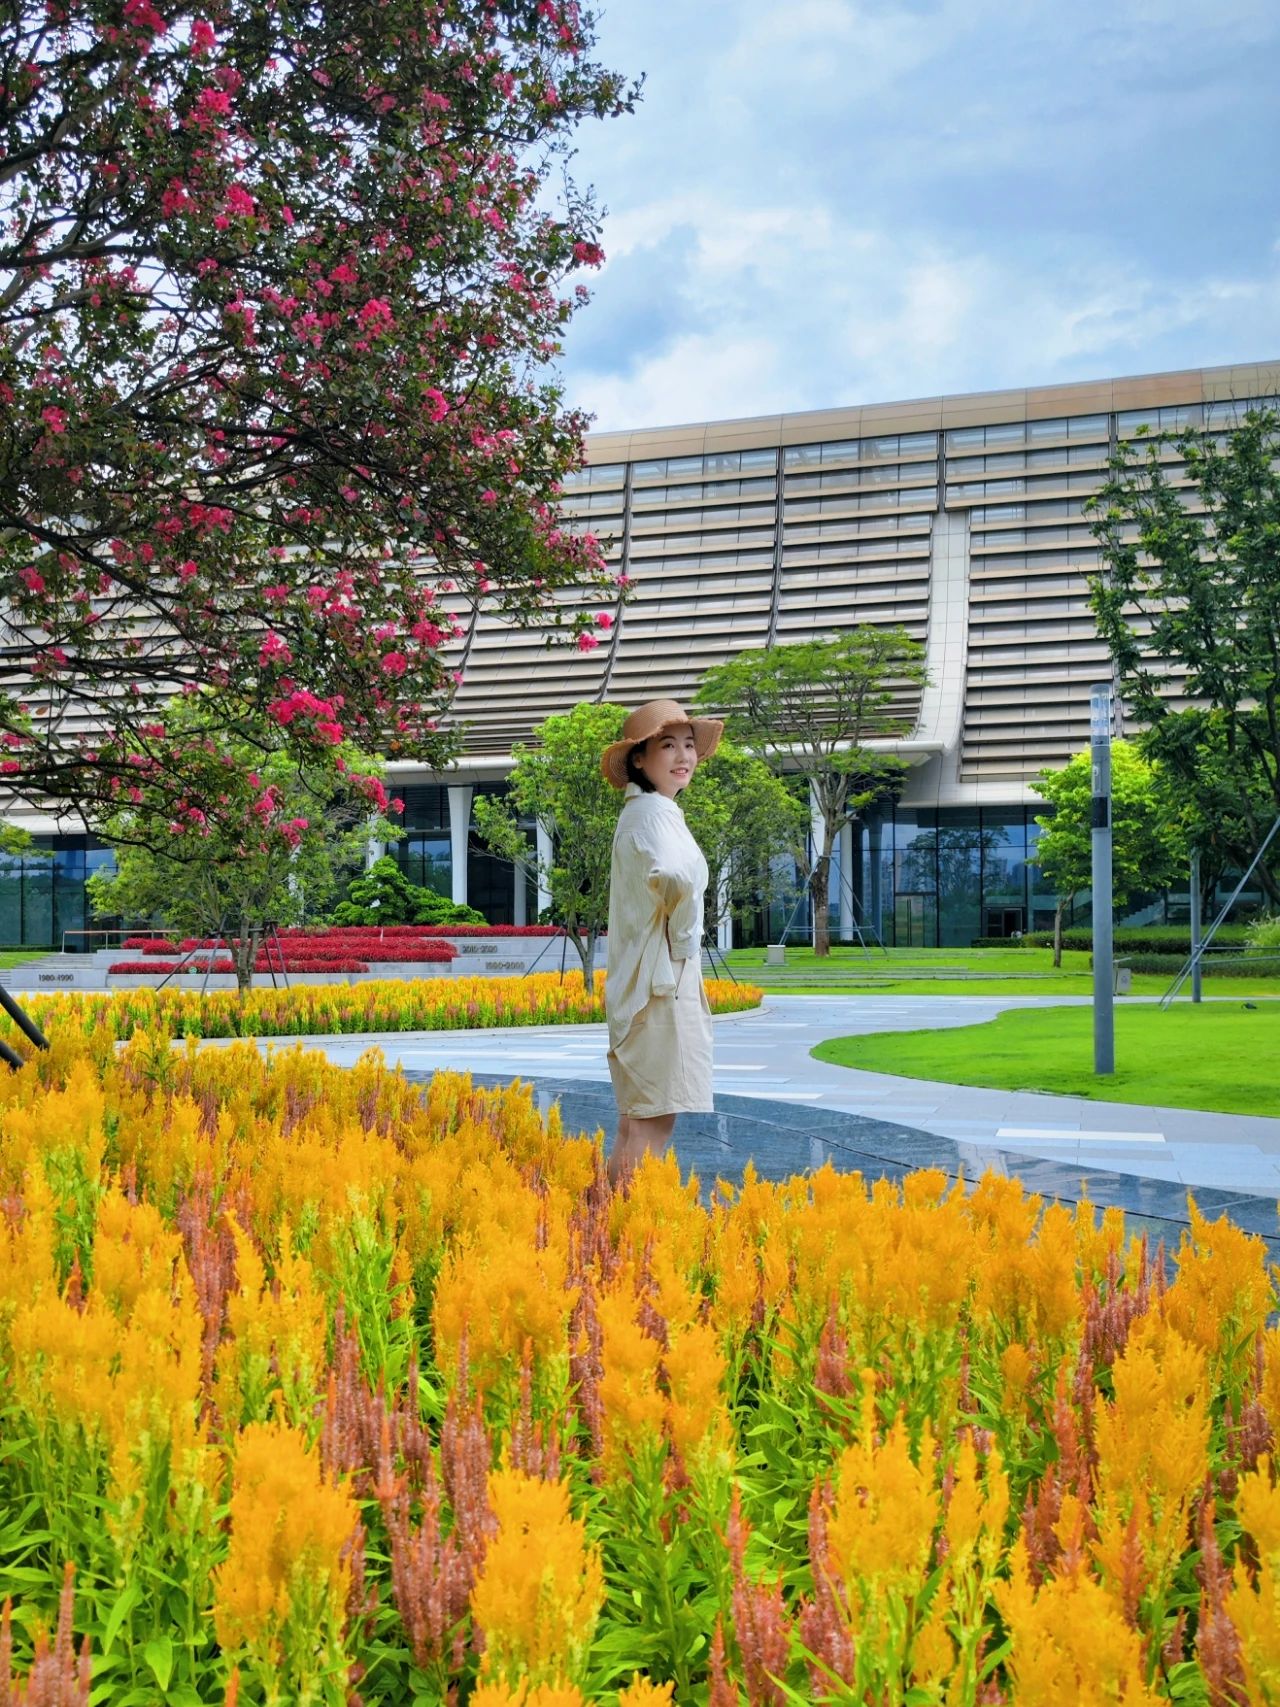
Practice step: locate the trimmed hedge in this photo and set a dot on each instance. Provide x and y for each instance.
(1142, 939)
(1212, 965)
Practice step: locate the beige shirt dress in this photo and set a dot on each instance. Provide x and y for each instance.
(658, 1014)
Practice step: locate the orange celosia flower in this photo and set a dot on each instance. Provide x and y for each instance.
(540, 1587)
(290, 1530)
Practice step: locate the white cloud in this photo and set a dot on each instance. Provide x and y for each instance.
(790, 308)
(839, 201)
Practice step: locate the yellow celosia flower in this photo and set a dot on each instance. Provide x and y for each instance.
(289, 1530)
(500, 1694)
(641, 1693)
(1254, 1601)
(1223, 1294)
(696, 1413)
(634, 1408)
(1071, 1642)
(1153, 1448)
(887, 1503)
(540, 1587)
(978, 1508)
(275, 1347)
(501, 1291)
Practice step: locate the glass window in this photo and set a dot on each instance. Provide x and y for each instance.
(37, 903)
(960, 850)
(10, 901)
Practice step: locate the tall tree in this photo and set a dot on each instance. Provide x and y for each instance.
(810, 708)
(558, 784)
(278, 284)
(746, 820)
(1189, 604)
(1148, 846)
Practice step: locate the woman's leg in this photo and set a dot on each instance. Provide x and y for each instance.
(637, 1138)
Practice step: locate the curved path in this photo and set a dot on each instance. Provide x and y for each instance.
(789, 1111)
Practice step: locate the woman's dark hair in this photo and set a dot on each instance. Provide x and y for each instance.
(634, 773)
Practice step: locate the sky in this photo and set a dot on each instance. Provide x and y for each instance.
(822, 203)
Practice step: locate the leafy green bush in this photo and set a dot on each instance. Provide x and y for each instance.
(1212, 965)
(998, 941)
(1138, 939)
(1264, 932)
(385, 896)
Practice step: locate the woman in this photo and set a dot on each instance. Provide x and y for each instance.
(659, 1020)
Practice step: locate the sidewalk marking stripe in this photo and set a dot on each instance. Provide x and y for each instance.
(1071, 1135)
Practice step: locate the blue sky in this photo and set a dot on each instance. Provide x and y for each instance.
(828, 202)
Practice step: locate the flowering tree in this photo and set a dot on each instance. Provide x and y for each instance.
(277, 284)
(271, 844)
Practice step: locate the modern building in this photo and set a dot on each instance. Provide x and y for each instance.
(959, 518)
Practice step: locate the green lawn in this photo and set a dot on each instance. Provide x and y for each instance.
(854, 974)
(16, 956)
(1219, 1057)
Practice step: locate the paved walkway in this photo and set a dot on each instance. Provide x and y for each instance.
(764, 1055)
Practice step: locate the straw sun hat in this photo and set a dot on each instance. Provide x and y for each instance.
(650, 720)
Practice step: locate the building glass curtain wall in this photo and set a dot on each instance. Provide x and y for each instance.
(43, 903)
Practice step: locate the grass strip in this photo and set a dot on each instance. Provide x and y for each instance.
(1220, 1057)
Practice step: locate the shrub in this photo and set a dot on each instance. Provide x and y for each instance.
(385, 895)
(1264, 932)
(1140, 939)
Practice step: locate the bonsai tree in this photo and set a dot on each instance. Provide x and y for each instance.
(383, 895)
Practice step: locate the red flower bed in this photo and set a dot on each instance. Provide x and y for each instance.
(154, 971)
(150, 944)
(311, 963)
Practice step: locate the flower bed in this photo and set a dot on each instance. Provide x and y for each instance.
(420, 1004)
(149, 968)
(322, 1378)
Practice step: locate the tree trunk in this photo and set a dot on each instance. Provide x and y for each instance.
(243, 956)
(588, 954)
(820, 896)
(1057, 929)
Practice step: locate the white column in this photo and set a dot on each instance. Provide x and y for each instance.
(846, 881)
(459, 827)
(374, 848)
(544, 862)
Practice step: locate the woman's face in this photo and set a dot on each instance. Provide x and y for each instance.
(669, 760)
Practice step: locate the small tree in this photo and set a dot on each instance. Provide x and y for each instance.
(383, 895)
(1195, 592)
(744, 818)
(558, 784)
(811, 707)
(1147, 847)
(272, 846)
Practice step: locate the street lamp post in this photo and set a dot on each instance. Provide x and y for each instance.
(1104, 1022)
